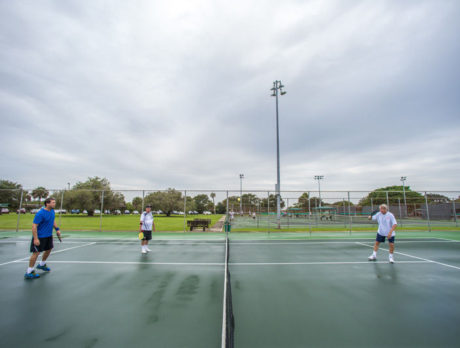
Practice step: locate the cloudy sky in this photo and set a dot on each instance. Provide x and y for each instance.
(157, 94)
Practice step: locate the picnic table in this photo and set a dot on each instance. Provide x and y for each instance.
(204, 223)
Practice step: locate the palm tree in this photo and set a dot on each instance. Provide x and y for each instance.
(40, 192)
(213, 195)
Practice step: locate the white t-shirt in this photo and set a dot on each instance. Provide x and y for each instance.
(147, 221)
(386, 222)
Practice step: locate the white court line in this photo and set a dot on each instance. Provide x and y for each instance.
(415, 257)
(449, 240)
(54, 252)
(230, 264)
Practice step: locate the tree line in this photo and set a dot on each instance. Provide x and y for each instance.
(95, 192)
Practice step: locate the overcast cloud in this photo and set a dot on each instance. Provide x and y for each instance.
(157, 94)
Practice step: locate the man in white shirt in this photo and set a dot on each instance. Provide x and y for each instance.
(387, 226)
(147, 225)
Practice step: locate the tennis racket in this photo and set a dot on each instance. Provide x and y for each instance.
(141, 235)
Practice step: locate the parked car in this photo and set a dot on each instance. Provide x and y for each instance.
(192, 212)
(75, 211)
(5, 211)
(116, 212)
(135, 212)
(35, 211)
(207, 213)
(84, 212)
(107, 212)
(21, 211)
(97, 211)
(60, 211)
(127, 212)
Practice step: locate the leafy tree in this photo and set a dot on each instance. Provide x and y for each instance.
(437, 198)
(202, 203)
(264, 203)
(221, 208)
(137, 203)
(394, 193)
(213, 196)
(167, 201)
(10, 193)
(129, 206)
(87, 195)
(40, 192)
(342, 203)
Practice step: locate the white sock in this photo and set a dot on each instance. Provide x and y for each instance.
(42, 263)
(391, 255)
(30, 269)
(143, 247)
(374, 253)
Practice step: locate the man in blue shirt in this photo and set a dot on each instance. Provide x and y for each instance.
(42, 240)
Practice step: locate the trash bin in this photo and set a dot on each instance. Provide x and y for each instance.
(228, 226)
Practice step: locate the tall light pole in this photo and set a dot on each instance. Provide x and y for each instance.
(278, 90)
(241, 193)
(68, 185)
(403, 179)
(319, 178)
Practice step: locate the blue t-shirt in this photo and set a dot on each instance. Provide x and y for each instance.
(45, 221)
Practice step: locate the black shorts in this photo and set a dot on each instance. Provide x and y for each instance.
(147, 235)
(45, 244)
(381, 239)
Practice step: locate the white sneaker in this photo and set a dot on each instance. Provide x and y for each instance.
(147, 249)
(391, 260)
(372, 258)
(144, 251)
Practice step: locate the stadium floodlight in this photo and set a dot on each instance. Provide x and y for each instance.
(319, 178)
(278, 90)
(403, 179)
(241, 193)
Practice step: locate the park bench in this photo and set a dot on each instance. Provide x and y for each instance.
(204, 223)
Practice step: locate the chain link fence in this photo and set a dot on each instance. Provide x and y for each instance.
(307, 211)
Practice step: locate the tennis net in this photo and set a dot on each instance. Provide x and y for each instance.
(228, 323)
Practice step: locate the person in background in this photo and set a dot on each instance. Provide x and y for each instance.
(387, 226)
(147, 225)
(42, 238)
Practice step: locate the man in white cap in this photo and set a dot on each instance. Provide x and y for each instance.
(147, 225)
(387, 226)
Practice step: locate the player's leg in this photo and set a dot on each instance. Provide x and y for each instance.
(143, 245)
(379, 239)
(392, 249)
(148, 236)
(30, 273)
(47, 245)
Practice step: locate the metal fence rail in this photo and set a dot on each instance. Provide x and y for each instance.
(248, 210)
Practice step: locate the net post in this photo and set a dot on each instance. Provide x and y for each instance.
(19, 212)
(309, 213)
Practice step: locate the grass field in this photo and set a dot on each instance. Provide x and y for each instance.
(109, 222)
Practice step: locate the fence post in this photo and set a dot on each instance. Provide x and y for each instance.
(268, 212)
(309, 213)
(372, 204)
(427, 213)
(455, 212)
(102, 208)
(143, 197)
(400, 212)
(185, 211)
(388, 201)
(344, 219)
(287, 211)
(19, 212)
(349, 212)
(60, 209)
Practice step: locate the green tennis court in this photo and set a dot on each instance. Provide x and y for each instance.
(288, 290)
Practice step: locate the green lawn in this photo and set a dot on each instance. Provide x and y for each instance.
(109, 222)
